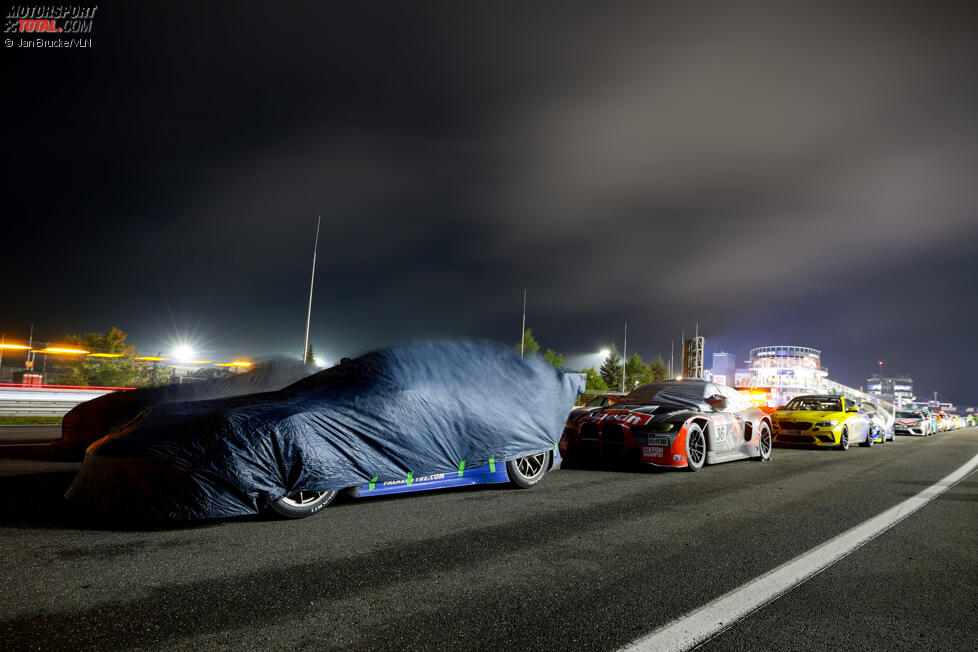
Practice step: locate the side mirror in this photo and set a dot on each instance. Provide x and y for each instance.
(717, 402)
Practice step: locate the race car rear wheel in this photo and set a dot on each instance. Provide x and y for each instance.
(300, 504)
(695, 448)
(764, 442)
(844, 439)
(528, 471)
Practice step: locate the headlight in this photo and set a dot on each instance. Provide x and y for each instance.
(660, 427)
(826, 424)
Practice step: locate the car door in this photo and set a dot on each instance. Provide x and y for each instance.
(870, 420)
(858, 422)
(733, 413)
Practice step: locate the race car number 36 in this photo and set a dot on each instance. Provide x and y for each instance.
(653, 451)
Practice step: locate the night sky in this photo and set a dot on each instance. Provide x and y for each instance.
(781, 174)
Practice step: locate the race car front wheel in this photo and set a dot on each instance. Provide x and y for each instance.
(844, 440)
(695, 448)
(300, 504)
(528, 471)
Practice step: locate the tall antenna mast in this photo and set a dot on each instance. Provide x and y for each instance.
(624, 358)
(523, 332)
(315, 248)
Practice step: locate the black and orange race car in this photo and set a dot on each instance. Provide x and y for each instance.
(678, 423)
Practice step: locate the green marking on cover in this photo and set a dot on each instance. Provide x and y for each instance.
(461, 467)
(372, 482)
(492, 465)
(410, 478)
(555, 449)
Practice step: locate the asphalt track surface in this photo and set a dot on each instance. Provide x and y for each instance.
(593, 558)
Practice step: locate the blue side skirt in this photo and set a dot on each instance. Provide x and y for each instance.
(494, 473)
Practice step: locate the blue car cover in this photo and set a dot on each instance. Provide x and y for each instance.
(418, 408)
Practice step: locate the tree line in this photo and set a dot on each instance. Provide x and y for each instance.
(125, 371)
(121, 371)
(634, 371)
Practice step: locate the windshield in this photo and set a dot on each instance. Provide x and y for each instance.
(689, 393)
(903, 414)
(816, 404)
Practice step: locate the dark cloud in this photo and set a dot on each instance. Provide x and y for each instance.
(781, 173)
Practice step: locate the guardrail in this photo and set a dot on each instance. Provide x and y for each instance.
(21, 401)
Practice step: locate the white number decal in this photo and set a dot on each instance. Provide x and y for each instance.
(720, 432)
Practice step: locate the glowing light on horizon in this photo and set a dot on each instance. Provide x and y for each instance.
(60, 350)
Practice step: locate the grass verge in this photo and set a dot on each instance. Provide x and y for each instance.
(29, 421)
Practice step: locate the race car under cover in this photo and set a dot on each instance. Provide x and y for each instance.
(427, 411)
(685, 423)
(882, 417)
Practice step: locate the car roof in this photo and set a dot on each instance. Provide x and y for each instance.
(820, 396)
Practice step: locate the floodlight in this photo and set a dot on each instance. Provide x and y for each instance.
(184, 353)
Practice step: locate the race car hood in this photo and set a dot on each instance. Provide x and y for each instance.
(808, 415)
(419, 408)
(636, 415)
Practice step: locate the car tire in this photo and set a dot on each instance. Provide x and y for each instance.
(301, 504)
(869, 441)
(843, 444)
(695, 448)
(765, 442)
(527, 472)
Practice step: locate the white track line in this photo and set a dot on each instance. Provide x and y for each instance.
(704, 623)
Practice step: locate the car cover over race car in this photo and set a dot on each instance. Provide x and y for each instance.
(420, 408)
(96, 418)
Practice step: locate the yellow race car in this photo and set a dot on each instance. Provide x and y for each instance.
(822, 420)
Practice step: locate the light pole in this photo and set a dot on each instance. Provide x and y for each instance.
(624, 358)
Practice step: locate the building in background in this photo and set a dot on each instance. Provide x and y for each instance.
(743, 377)
(898, 391)
(785, 372)
(724, 368)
